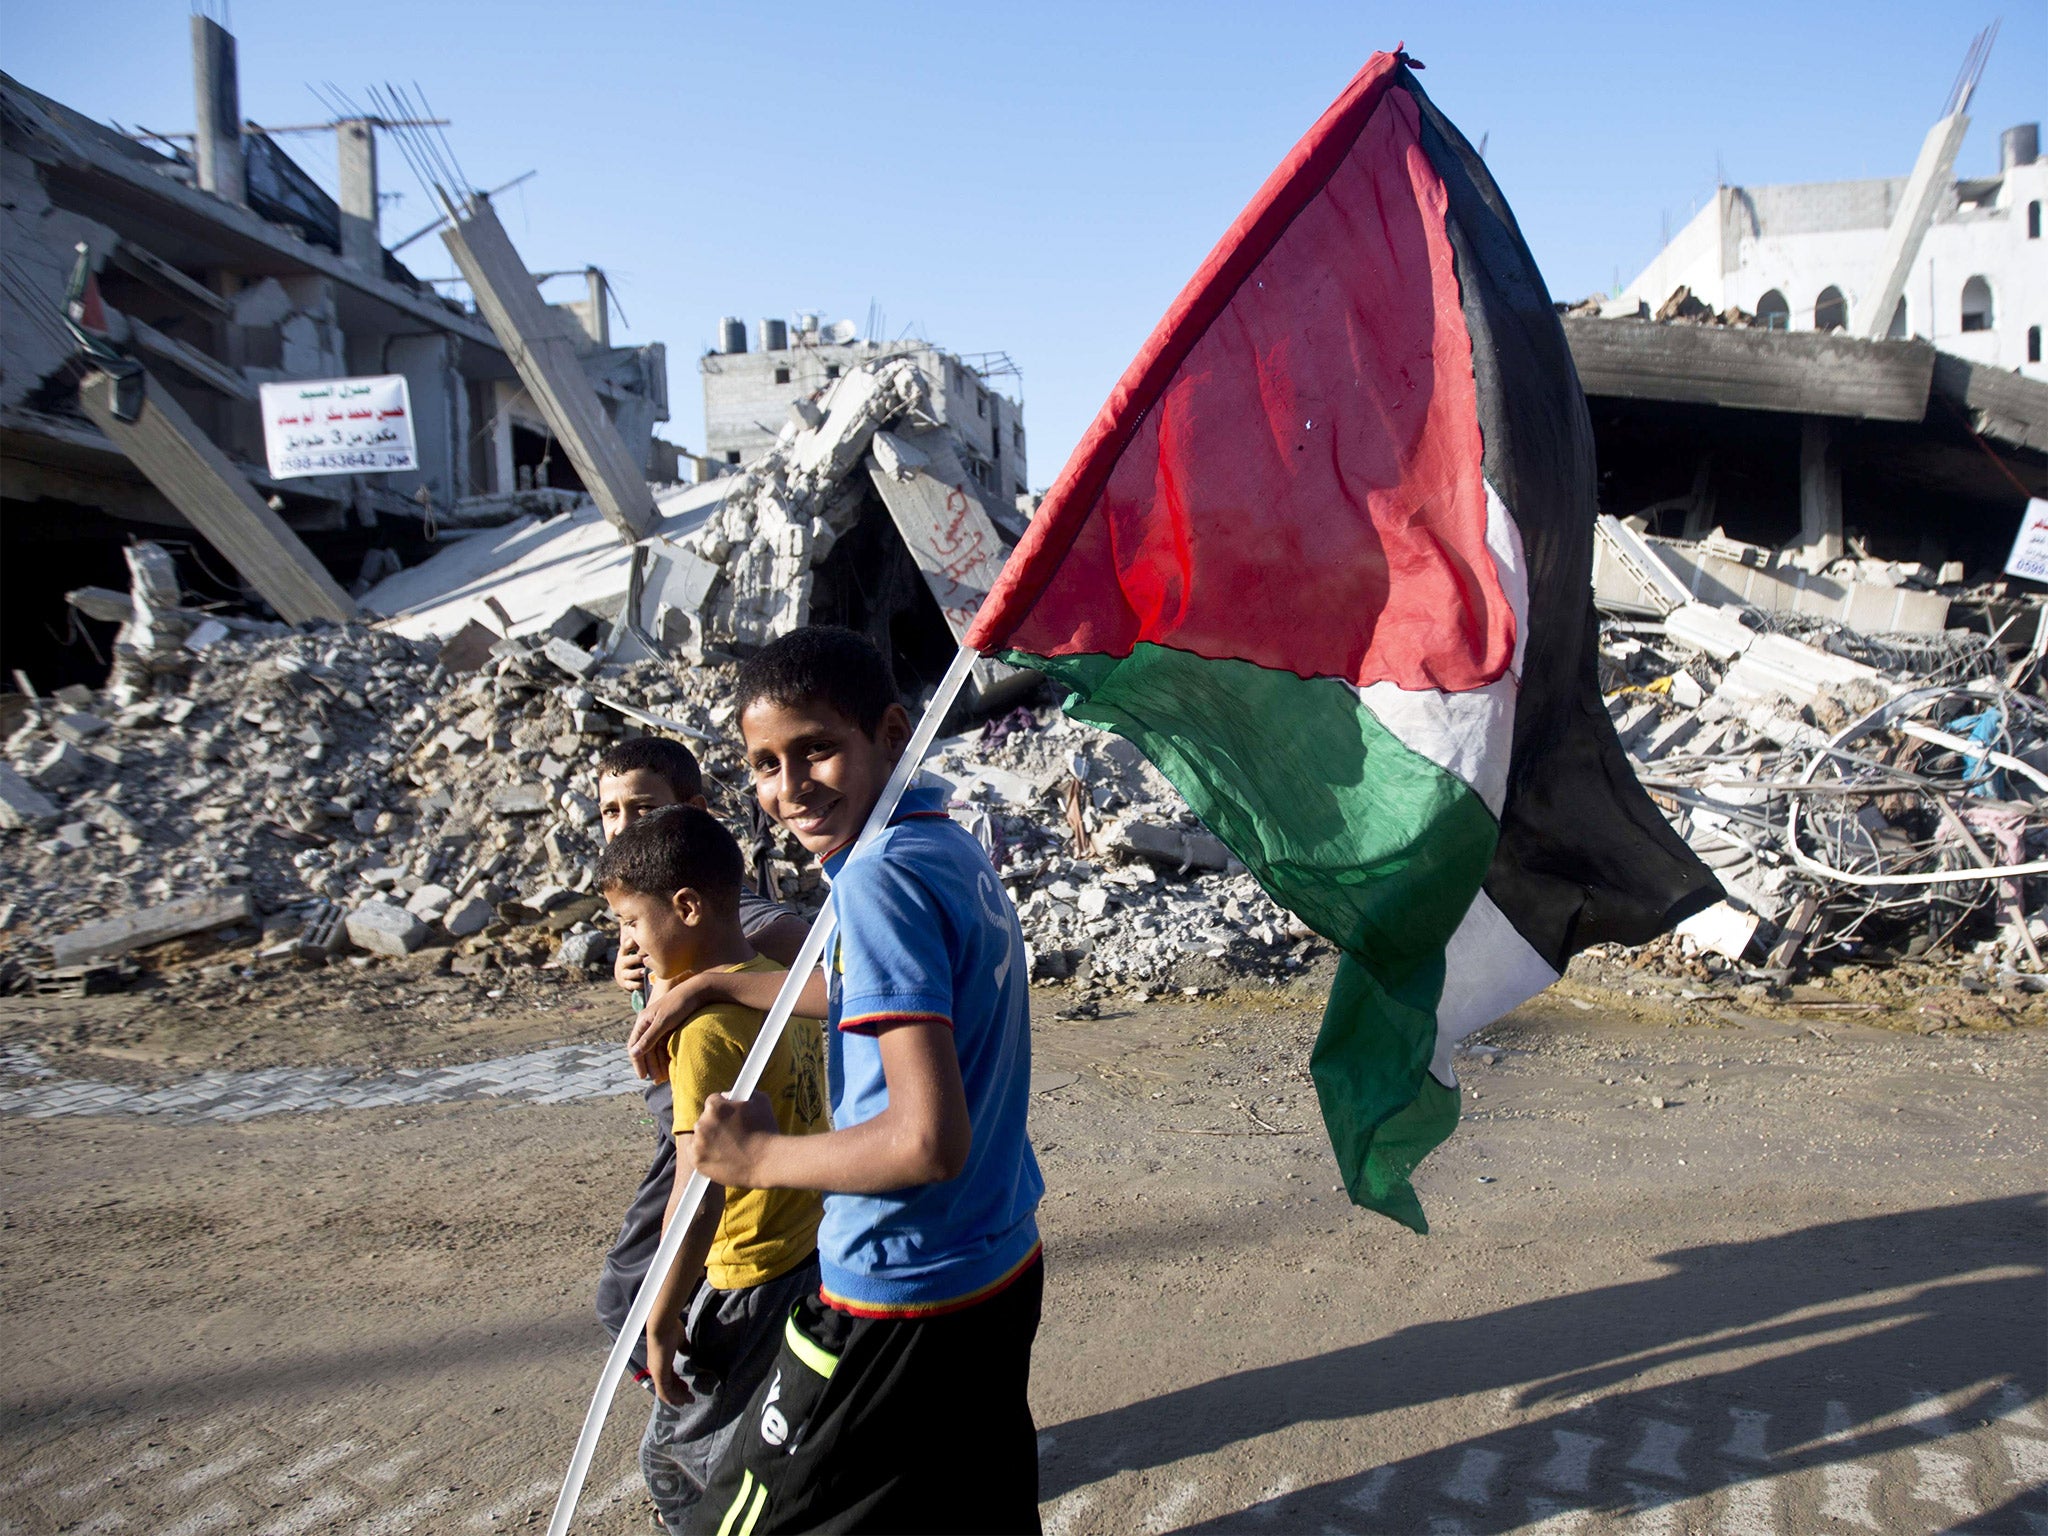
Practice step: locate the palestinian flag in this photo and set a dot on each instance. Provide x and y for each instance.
(1324, 558)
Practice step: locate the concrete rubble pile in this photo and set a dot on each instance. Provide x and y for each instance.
(1682, 307)
(1115, 880)
(1845, 787)
(354, 790)
(310, 794)
(746, 575)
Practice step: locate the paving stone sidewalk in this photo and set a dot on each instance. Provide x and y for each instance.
(30, 1086)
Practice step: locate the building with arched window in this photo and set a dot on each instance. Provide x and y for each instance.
(1808, 256)
(1975, 309)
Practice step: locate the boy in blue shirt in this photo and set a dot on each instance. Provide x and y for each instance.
(899, 1401)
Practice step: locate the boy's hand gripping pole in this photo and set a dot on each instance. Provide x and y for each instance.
(743, 1087)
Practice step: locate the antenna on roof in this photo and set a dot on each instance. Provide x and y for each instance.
(1974, 60)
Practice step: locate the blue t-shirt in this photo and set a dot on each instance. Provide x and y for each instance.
(926, 932)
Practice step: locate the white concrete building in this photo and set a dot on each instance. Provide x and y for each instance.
(1805, 257)
(747, 395)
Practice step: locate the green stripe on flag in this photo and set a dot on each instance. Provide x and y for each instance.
(1370, 843)
(1383, 1110)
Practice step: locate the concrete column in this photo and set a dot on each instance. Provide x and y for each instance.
(1933, 174)
(1820, 495)
(504, 474)
(356, 158)
(427, 363)
(551, 367)
(217, 100)
(200, 481)
(600, 322)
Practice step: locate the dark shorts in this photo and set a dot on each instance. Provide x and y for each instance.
(625, 1266)
(730, 1340)
(889, 1424)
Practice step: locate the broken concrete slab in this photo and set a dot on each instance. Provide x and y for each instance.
(383, 929)
(1168, 847)
(570, 657)
(429, 902)
(22, 805)
(521, 800)
(114, 936)
(63, 764)
(78, 728)
(1778, 666)
(1719, 632)
(206, 634)
(468, 648)
(467, 915)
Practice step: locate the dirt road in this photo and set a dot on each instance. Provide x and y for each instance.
(1806, 1294)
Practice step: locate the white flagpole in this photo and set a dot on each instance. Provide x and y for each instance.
(807, 959)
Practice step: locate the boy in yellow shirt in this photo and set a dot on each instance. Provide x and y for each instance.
(673, 880)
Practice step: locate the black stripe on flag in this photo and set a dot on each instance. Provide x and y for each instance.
(1584, 857)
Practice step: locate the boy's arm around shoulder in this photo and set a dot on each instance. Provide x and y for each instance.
(666, 1014)
(898, 969)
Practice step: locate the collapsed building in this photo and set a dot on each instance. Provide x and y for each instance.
(1810, 653)
(222, 266)
(1846, 378)
(747, 395)
(863, 511)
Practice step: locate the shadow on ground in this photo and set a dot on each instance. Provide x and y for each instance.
(1833, 1344)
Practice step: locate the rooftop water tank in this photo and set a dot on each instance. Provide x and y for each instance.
(2019, 146)
(732, 334)
(774, 335)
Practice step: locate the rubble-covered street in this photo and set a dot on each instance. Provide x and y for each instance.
(346, 815)
(347, 522)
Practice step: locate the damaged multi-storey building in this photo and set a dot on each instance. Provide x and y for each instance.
(747, 395)
(222, 266)
(863, 499)
(1843, 380)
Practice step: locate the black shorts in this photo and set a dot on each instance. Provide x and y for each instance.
(889, 1424)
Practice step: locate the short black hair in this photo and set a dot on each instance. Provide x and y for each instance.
(663, 756)
(837, 666)
(676, 847)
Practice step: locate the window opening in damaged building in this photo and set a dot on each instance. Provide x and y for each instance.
(1977, 314)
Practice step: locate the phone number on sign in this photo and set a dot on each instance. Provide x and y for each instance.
(341, 461)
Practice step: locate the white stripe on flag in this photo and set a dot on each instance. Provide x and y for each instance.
(1504, 538)
(1469, 735)
(1489, 969)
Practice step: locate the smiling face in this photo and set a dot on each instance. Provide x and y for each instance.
(623, 798)
(817, 772)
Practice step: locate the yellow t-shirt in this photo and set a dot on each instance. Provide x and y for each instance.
(764, 1232)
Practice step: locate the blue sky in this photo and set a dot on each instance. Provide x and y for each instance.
(1037, 178)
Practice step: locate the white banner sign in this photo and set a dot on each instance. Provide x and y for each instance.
(2029, 557)
(338, 426)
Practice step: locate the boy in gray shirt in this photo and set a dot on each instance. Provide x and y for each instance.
(637, 776)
